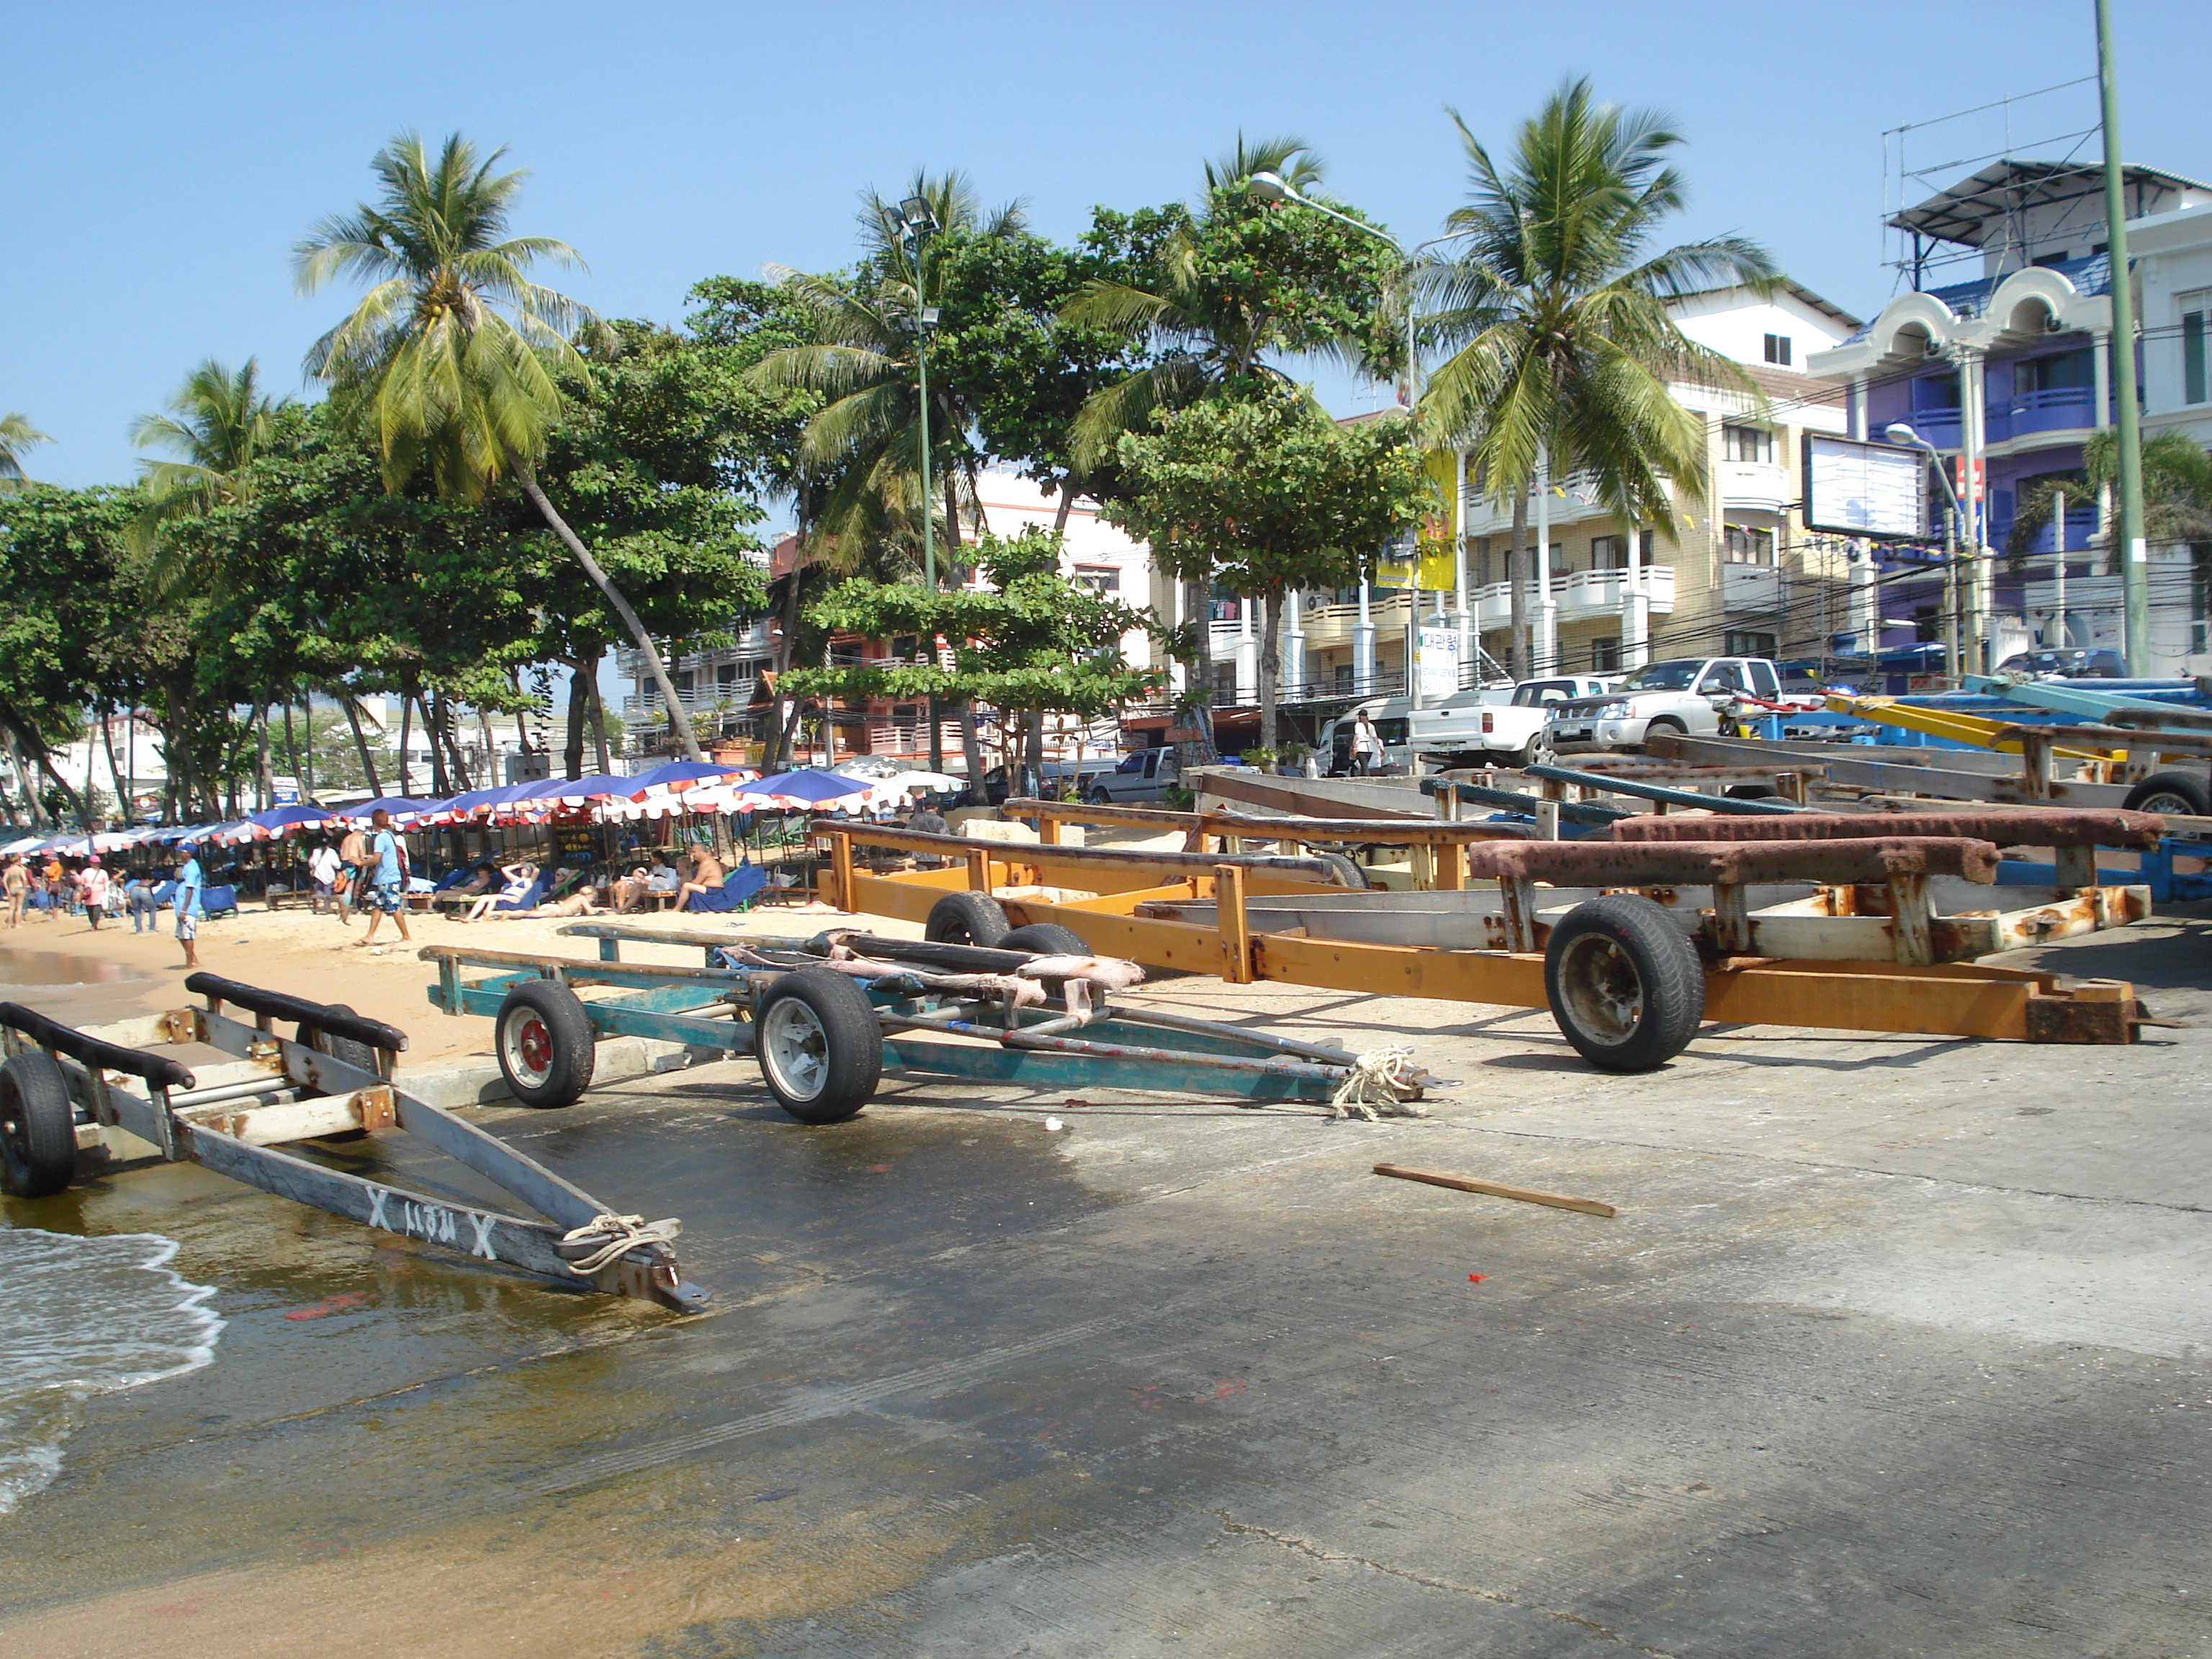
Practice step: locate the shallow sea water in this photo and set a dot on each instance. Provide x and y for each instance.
(80, 1317)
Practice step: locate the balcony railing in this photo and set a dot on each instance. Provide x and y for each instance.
(2056, 408)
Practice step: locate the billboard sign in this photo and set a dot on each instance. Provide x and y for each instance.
(1439, 663)
(1855, 489)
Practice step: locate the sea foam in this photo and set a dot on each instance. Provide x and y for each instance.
(84, 1316)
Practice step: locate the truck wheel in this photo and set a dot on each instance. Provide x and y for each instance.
(545, 1043)
(2182, 794)
(1100, 797)
(1535, 752)
(820, 1045)
(967, 918)
(38, 1129)
(1624, 982)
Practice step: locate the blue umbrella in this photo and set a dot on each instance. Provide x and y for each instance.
(680, 774)
(598, 783)
(808, 785)
(277, 819)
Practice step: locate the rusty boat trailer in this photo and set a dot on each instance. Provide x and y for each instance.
(1858, 928)
(67, 1104)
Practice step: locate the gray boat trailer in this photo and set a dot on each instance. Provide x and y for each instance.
(298, 1090)
(1082, 1042)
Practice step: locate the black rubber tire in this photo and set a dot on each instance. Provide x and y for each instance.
(1665, 723)
(967, 918)
(352, 1050)
(1345, 872)
(1046, 938)
(1624, 947)
(1752, 792)
(38, 1127)
(568, 1050)
(831, 1020)
(1100, 797)
(2188, 793)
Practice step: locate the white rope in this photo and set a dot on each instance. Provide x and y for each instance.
(1377, 1085)
(604, 1238)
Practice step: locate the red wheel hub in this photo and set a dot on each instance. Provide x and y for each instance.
(536, 1043)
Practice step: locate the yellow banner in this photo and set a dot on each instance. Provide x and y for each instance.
(1438, 570)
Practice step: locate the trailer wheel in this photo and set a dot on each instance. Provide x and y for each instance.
(1624, 982)
(1046, 938)
(820, 1045)
(545, 1043)
(352, 1050)
(38, 1129)
(968, 918)
(1343, 872)
(2183, 794)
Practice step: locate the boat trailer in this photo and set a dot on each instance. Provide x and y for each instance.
(826, 1018)
(1631, 944)
(65, 1093)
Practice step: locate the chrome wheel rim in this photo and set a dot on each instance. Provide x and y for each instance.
(526, 1045)
(1601, 990)
(796, 1049)
(2171, 806)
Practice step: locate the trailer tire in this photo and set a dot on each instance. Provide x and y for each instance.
(2184, 795)
(819, 1044)
(1046, 938)
(352, 1050)
(546, 1047)
(967, 918)
(1343, 872)
(38, 1127)
(1624, 982)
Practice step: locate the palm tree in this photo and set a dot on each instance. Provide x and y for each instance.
(860, 459)
(450, 357)
(1564, 350)
(16, 435)
(217, 422)
(2177, 492)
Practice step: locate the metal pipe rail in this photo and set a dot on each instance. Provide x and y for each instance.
(1611, 784)
(1574, 812)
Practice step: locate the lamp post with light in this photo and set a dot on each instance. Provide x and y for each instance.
(1898, 433)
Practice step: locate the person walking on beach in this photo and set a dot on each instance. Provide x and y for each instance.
(15, 887)
(57, 886)
(138, 894)
(353, 857)
(323, 866)
(189, 884)
(92, 888)
(388, 878)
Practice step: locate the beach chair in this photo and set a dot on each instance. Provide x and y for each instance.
(739, 888)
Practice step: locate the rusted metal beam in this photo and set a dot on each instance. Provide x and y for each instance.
(2018, 827)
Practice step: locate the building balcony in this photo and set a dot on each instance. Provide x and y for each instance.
(1574, 499)
(2080, 530)
(1760, 486)
(2059, 409)
(1752, 589)
(1587, 594)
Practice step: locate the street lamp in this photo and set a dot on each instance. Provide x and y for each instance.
(1898, 433)
(920, 224)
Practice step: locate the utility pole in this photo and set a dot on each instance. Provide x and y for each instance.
(2134, 554)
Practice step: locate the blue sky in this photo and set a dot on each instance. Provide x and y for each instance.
(163, 161)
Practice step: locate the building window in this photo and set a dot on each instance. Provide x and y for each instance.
(2066, 368)
(1777, 350)
(1608, 552)
(2193, 378)
(1343, 673)
(1745, 545)
(1605, 654)
(1935, 392)
(1099, 578)
(1224, 680)
(905, 647)
(1743, 643)
(1927, 623)
(1746, 443)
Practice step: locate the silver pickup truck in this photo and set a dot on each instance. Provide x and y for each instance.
(1683, 695)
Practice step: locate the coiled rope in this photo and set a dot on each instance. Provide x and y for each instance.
(604, 1238)
(1377, 1085)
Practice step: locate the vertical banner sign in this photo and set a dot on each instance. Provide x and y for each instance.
(1439, 649)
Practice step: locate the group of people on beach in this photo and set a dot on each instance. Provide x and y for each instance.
(49, 886)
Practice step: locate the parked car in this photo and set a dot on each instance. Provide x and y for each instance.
(1684, 694)
(1448, 734)
(1146, 775)
(2074, 664)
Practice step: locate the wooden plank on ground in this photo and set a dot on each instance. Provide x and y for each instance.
(1494, 1189)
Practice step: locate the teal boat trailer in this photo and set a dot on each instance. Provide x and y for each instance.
(68, 1105)
(826, 1018)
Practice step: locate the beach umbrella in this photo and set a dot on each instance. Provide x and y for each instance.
(677, 775)
(597, 786)
(279, 819)
(796, 791)
(902, 784)
(403, 810)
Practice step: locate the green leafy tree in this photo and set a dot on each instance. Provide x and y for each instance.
(1265, 493)
(1033, 642)
(452, 357)
(1561, 348)
(16, 435)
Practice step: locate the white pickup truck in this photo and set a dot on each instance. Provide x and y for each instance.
(1146, 775)
(1516, 731)
(1684, 694)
